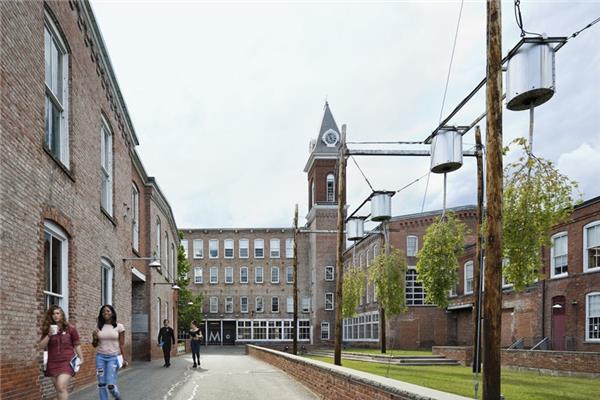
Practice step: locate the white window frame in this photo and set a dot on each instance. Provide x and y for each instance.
(274, 248)
(198, 275)
(229, 305)
(274, 304)
(213, 252)
(329, 301)
(257, 275)
(243, 281)
(106, 281)
(184, 243)
(62, 298)
(259, 301)
(413, 287)
(290, 304)
(213, 304)
(553, 254)
(158, 239)
(213, 273)
(586, 260)
(274, 274)
(57, 95)
(588, 316)
(259, 244)
(329, 273)
(106, 167)
(244, 244)
(228, 275)
(244, 304)
(305, 304)
(469, 276)
(289, 248)
(412, 248)
(330, 188)
(198, 245)
(228, 245)
(135, 218)
(289, 274)
(324, 330)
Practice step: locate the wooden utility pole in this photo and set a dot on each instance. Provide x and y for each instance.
(477, 264)
(492, 323)
(339, 275)
(295, 267)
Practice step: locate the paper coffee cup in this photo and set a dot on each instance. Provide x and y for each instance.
(53, 329)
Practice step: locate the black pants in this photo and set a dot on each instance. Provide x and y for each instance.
(167, 353)
(195, 350)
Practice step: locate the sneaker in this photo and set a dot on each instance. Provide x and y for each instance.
(194, 366)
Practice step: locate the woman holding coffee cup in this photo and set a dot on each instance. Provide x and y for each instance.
(62, 341)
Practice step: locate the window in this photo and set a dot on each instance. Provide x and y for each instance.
(469, 277)
(214, 304)
(303, 329)
(244, 330)
(243, 274)
(106, 168)
(184, 243)
(228, 245)
(135, 218)
(214, 275)
(244, 305)
(274, 330)
(56, 127)
(259, 248)
(592, 317)
(328, 301)
(290, 304)
(106, 282)
(305, 304)
(274, 274)
(330, 188)
(198, 248)
(167, 264)
(158, 254)
(289, 248)
(324, 330)
(412, 245)
(228, 274)
(288, 330)
(229, 304)
(289, 274)
(275, 304)
(259, 330)
(505, 282)
(363, 327)
(56, 253)
(244, 246)
(260, 306)
(274, 247)
(329, 273)
(559, 255)
(415, 294)
(591, 247)
(213, 248)
(453, 292)
(258, 275)
(198, 279)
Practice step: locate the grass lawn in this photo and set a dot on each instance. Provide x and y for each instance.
(390, 352)
(459, 380)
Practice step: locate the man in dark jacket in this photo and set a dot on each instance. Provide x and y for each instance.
(166, 336)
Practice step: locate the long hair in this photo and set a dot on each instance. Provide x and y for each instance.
(62, 325)
(113, 322)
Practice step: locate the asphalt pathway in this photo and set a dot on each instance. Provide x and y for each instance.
(225, 373)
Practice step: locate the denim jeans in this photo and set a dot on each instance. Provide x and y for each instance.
(106, 372)
(195, 350)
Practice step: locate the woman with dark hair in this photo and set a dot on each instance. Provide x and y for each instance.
(108, 338)
(62, 341)
(196, 336)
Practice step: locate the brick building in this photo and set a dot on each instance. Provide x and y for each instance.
(77, 210)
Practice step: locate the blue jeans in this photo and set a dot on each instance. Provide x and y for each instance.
(106, 372)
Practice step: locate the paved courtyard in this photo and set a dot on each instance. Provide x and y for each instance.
(225, 373)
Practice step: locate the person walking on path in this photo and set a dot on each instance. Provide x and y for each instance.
(62, 341)
(166, 336)
(108, 338)
(196, 337)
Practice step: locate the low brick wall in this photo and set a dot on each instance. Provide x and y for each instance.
(462, 354)
(560, 362)
(335, 382)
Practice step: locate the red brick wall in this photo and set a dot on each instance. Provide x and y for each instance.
(462, 354)
(564, 361)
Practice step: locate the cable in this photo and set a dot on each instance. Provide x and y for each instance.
(368, 183)
(584, 28)
(451, 59)
(519, 19)
(425, 195)
(385, 143)
(415, 181)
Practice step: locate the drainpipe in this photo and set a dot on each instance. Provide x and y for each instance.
(543, 308)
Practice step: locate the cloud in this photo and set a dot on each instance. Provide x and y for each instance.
(582, 165)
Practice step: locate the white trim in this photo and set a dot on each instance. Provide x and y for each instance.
(225, 248)
(262, 275)
(587, 316)
(209, 248)
(559, 235)
(108, 268)
(277, 248)
(471, 264)
(332, 272)
(139, 274)
(225, 278)
(416, 249)
(247, 276)
(55, 230)
(585, 253)
(332, 301)
(273, 268)
(198, 244)
(247, 248)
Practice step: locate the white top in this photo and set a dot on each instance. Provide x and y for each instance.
(108, 340)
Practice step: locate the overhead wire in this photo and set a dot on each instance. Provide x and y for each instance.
(574, 34)
(363, 174)
(519, 19)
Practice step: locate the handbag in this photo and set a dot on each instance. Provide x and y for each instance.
(45, 362)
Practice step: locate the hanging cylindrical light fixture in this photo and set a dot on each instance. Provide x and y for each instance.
(446, 150)
(355, 228)
(381, 206)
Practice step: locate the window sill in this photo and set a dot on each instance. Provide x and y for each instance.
(62, 166)
(107, 215)
(592, 270)
(561, 276)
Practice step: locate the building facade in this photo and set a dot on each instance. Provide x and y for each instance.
(77, 209)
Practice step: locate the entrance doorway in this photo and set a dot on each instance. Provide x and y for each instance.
(558, 323)
(229, 332)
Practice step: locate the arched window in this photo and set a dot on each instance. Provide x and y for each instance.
(135, 218)
(313, 201)
(106, 281)
(330, 188)
(158, 254)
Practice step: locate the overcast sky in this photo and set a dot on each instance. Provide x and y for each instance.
(226, 96)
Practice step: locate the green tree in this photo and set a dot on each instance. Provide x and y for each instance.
(353, 288)
(437, 263)
(536, 198)
(190, 305)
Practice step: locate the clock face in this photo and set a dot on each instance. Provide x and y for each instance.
(330, 138)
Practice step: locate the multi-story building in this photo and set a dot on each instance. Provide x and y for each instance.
(79, 218)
